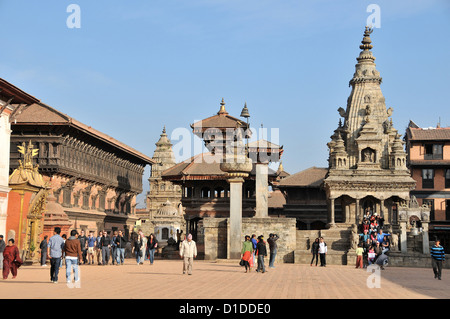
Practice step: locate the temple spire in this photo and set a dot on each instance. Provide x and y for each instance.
(222, 108)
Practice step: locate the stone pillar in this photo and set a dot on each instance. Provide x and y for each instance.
(331, 221)
(357, 212)
(425, 238)
(235, 221)
(403, 237)
(262, 192)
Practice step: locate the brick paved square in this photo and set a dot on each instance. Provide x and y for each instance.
(225, 280)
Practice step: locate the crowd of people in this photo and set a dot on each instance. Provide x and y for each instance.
(104, 249)
(254, 250)
(373, 242)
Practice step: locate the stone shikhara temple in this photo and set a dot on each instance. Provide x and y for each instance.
(367, 171)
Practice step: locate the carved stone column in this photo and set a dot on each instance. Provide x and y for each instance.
(262, 193)
(237, 166)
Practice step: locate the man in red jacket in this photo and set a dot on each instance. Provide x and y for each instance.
(11, 259)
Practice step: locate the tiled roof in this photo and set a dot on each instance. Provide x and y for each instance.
(311, 177)
(42, 114)
(430, 134)
(276, 199)
(200, 166)
(8, 89)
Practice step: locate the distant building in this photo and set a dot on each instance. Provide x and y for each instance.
(306, 200)
(162, 191)
(428, 152)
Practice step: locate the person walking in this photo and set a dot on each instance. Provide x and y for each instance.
(137, 249)
(359, 256)
(247, 254)
(83, 242)
(188, 251)
(152, 244)
(273, 247)
(64, 237)
(315, 251)
(121, 244)
(55, 249)
(43, 247)
(144, 248)
(323, 250)
(74, 254)
(254, 243)
(179, 233)
(106, 246)
(113, 247)
(91, 243)
(99, 248)
(437, 258)
(261, 252)
(11, 260)
(2, 249)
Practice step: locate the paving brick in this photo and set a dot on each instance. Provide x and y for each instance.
(210, 280)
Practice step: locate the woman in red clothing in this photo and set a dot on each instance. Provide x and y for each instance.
(11, 259)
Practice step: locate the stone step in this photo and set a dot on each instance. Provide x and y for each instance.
(333, 257)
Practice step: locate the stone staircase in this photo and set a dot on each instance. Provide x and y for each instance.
(337, 239)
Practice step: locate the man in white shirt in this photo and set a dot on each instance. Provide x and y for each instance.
(322, 252)
(188, 251)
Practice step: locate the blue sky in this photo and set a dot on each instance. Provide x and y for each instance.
(135, 66)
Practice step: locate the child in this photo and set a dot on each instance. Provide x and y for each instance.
(359, 256)
(371, 256)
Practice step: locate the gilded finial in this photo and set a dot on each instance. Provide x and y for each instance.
(222, 108)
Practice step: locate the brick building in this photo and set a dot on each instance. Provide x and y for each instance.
(428, 152)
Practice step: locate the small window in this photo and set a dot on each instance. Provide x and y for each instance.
(427, 178)
(165, 233)
(447, 178)
(433, 151)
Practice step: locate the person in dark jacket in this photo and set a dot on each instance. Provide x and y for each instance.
(437, 258)
(105, 243)
(315, 251)
(43, 248)
(272, 241)
(83, 243)
(261, 252)
(152, 244)
(120, 243)
(137, 248)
